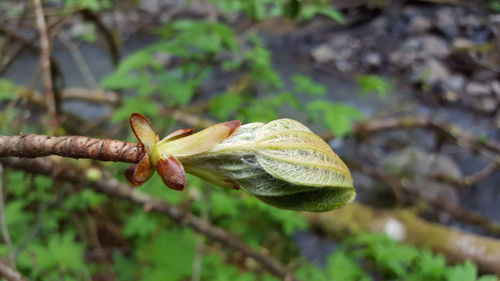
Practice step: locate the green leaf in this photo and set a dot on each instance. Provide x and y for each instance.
(7, 90)
(464, 272)
(337, 117)
(125, 268)
(62, 253)
(304, 84)
(139, 225)
(374, 83)
(341, 267)
(311, 273)
(170, 254)
(135, 104)
(224, 105)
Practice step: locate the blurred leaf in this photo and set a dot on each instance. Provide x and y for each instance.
(170, 254)
(224, 105)
(139, 225)
(374, 83)
(135, 104)
(340, 267)
(304, 84)
(62, 253)
(463, 272)
(336, 116)
(7, 90)
(311, 273)
(125, 268)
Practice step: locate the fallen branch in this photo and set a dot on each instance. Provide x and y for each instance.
(65, 171)
(10, 273)
(403, 225)
(407, 191)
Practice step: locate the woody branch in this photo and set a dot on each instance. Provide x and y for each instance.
(31, 146)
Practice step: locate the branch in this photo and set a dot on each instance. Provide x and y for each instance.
(403, 225)
(465, 139)
(412, 192)
(45, 51)
(65, 171)
(3, 222)
(9, 273)
(31, 146)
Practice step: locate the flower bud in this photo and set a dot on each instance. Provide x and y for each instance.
(282, 163)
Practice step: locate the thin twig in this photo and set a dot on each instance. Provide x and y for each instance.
(48, 85)
(458, 213)
(66, 171)
(113, 47)
(79, 60)
(200, 240)
(480, 175)
(488, 148)
(10, 273)
(3, 222)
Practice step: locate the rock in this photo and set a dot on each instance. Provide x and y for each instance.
(420, 48)
(495, 87)
(419, 24)
(481, 97)
(455, 83)
(446, 22)
(434, 46)
(484, 75)
(494, 18)
(421, 168)
(477, 89)
(323, 53)
(372, 60)
(430, 72)
(484, 104)
(462, 43)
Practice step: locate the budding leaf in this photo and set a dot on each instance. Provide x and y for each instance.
(282, 163)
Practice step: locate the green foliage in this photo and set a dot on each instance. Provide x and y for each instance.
(61, 256)
(374, 83)
(94, 5)
(7, 90)
(304, 84)
(337, 117)
(266, 9)
(374, 254)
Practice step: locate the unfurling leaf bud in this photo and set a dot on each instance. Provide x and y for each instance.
(282, 163)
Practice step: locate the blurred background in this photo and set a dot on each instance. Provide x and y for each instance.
(406, 92)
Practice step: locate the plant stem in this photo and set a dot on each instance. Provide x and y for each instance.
(31, 146)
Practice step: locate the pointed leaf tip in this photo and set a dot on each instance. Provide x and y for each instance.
(141, 126)
(232, 125)
(172, 173)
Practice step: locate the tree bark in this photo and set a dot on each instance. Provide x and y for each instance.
(31, 146)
